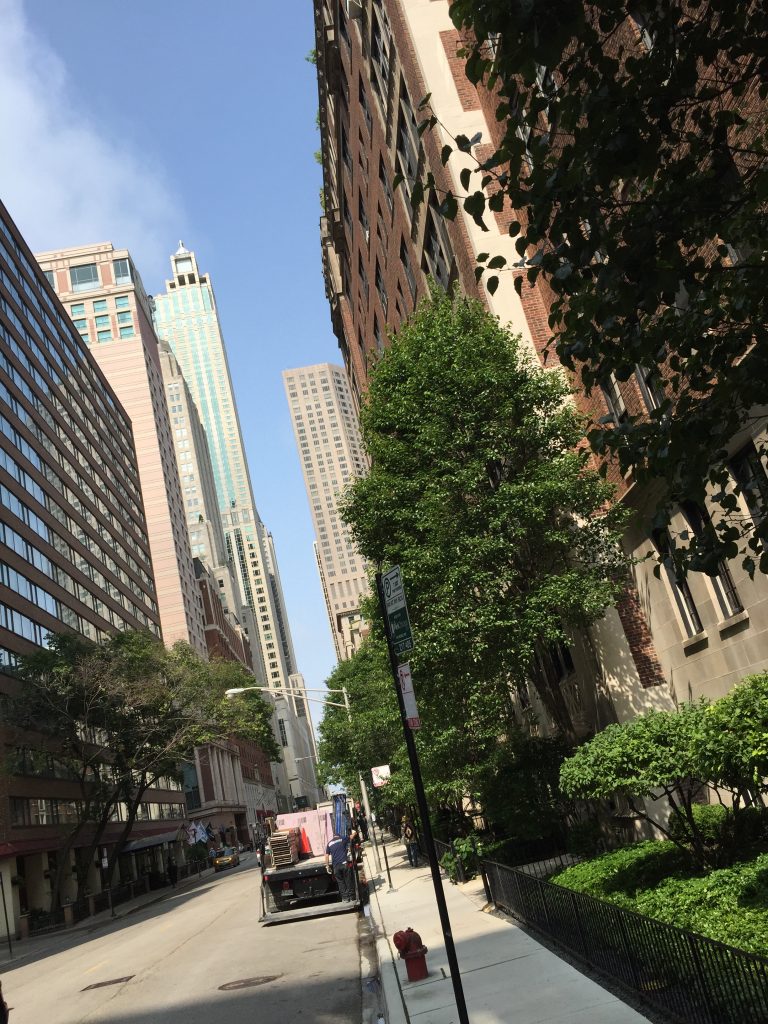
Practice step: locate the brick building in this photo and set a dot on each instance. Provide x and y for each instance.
(74, 555)
(666, 641)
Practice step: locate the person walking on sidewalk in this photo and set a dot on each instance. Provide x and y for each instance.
(411, 841)
(173, 871)
(336, 864)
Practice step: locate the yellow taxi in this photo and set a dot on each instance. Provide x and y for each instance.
(226, 858)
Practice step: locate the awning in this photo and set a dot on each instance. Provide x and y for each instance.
(156, 840)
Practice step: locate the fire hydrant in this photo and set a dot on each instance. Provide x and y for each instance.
(413, 951)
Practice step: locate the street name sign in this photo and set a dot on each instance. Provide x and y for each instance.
(409, 696)
(397, 611)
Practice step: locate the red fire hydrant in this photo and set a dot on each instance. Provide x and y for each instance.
(413, 951)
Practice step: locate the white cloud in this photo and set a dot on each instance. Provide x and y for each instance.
(63, 181)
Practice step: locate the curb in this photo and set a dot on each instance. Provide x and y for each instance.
(395, 1011)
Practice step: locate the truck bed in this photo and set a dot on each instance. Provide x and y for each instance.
(312, 893)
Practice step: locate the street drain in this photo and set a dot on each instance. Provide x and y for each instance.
(232, 986)
(103, 984)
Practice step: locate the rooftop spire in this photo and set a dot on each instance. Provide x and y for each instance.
(181, 251)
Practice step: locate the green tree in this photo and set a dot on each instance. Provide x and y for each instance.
(480, 490)
(371, 735)
(119, 716)
(633, 153)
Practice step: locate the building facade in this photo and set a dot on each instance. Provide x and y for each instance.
(186, 318)
(102, 292)
(327, 434)
(666, 640)
(75, 555)
(215, 574)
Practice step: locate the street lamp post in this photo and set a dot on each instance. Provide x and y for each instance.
(330, 704)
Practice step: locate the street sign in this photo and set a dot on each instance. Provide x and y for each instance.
(380, 775)
(397, 611)
(409, 696)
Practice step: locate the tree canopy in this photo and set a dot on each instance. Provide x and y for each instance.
(632, 155)
(705, 750)
(120, 715)
(480, 489)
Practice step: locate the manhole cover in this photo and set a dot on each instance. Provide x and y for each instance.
(112, 981)
(232, 986)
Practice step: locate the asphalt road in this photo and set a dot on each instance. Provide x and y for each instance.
(198, 957)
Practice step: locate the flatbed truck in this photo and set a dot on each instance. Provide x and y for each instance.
(303, 888)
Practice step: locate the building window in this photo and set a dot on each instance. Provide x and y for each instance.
(380, 57)
(681, 592)
(363, 100)
(102, 321)
(385, 184)
(81, 325)
(100, 306)
(377, 336)
(363, 276)
(104, 335)
(84, 278)
(722, 581)
(405, 259)
(436, 261)
(78, 309)
(121, 302)
(749, 473)
(127, 332)
(50, 278)
(612, 395)
(380, 288)
(407, 148)
(122, 270)
(650, 387)
(124, 318)
(362, 216)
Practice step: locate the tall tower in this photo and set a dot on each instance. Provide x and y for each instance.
(187, 318)
(105, 298)
(328, 440)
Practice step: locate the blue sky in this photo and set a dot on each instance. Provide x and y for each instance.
(146, 123)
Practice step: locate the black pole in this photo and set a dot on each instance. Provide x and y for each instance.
(421, 800)
(5, 914)
(386, 865)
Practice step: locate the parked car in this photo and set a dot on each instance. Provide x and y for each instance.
(226, 858)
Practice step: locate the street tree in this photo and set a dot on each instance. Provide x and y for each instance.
(117, 717)
(371, 734)
(480, 489)
(632, 156)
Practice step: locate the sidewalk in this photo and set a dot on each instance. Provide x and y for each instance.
(508, 977)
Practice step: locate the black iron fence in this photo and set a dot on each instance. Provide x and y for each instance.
(692, 979)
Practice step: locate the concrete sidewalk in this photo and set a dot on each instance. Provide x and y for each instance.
(508, 977)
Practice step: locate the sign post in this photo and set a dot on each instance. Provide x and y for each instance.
(397, 627)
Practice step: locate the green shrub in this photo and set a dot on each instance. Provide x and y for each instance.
(713, 822)
(658, 880)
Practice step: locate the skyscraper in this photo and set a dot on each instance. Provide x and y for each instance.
(187, 318)
(328, 440)
(104, 295)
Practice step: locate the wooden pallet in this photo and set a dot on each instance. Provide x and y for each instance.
(285, 846)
